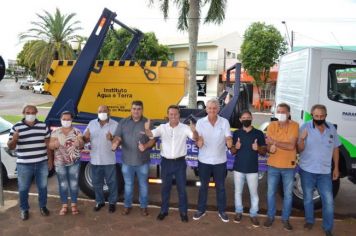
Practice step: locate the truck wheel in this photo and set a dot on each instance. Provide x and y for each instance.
(201, 105)
(5, 180)
(298, 193)
(86, 183)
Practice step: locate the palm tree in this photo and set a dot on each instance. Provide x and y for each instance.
(51, 37)
(189, 19)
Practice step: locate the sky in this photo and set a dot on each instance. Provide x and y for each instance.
(314, 22)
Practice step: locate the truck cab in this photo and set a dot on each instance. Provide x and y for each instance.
(323, 76)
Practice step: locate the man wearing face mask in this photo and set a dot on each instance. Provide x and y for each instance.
(100, 134)
(318, 146)
(282, 136)
(249, 142)
(30, 137)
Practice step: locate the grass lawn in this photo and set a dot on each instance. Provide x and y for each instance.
(47, 104)
(15, 118)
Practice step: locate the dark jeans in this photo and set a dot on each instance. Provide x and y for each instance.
(107, 172)
(176, 168)
(25, 173)
(219, 173)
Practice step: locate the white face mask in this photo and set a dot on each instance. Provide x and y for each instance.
(103, 116)
(281, 117)
(30, 118)
(66, 123)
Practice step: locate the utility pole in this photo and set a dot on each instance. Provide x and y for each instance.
(290, 39)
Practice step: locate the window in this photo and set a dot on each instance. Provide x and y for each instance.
(342, 83)
(202, 61)
(268, 92)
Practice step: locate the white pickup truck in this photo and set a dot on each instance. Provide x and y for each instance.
(201, 101)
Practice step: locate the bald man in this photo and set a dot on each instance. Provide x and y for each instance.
(99, 133)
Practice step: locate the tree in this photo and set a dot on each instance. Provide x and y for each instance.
(21, 57)
(262, 46)
(51, 36)
(189, 19)
(148, 49)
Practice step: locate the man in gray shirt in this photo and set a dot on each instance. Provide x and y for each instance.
(135, 147)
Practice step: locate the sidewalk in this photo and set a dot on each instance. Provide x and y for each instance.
(103, 223)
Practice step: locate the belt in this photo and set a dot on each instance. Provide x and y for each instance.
(174, 159)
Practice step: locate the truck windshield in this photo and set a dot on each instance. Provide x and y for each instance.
(342, 83)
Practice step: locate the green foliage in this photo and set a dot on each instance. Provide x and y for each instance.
(49, 39)
(149, 47)
(215, 14)
(22, 57)
(260, 50)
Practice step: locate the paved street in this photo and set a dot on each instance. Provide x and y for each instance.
(11, 102)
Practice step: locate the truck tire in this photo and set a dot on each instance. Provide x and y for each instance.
(5, 180)
(298, 202)
(86, 185)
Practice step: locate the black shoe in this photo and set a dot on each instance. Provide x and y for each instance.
(308, 226)
(44, 211)
(98, 206)
(238, 218)
(184, 217)
(286, 225)
(112, 208)
(268, 223)
(24, 215)
(162, 215)
(328, 233)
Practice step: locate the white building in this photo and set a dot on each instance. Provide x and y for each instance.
(215, 54)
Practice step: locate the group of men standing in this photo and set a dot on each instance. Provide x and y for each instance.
(316, 141)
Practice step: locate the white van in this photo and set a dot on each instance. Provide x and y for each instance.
(328, 77)
(8, 157)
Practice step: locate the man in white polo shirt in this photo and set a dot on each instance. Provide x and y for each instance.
(214, 136)
(174, 149)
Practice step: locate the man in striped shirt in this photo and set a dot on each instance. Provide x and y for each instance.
(30, 138)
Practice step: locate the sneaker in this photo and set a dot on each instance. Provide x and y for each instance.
(237, 218)
(268, 223)
(308, 226)
(197, 215)
(255, 222)
(286, 225)
(223, 217)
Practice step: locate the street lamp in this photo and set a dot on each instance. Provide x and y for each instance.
(290, 40)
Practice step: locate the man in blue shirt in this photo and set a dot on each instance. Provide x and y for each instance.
(249, 142)
(318, 146)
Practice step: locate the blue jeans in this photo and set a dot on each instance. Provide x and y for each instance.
(177, 169)
(128, 173)
(252, 182)
(323, 183)
(273, 177)
(25, 173)
(107, 172)
(68, 180)
(219, 174)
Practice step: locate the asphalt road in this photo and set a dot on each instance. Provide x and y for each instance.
(12, 100)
